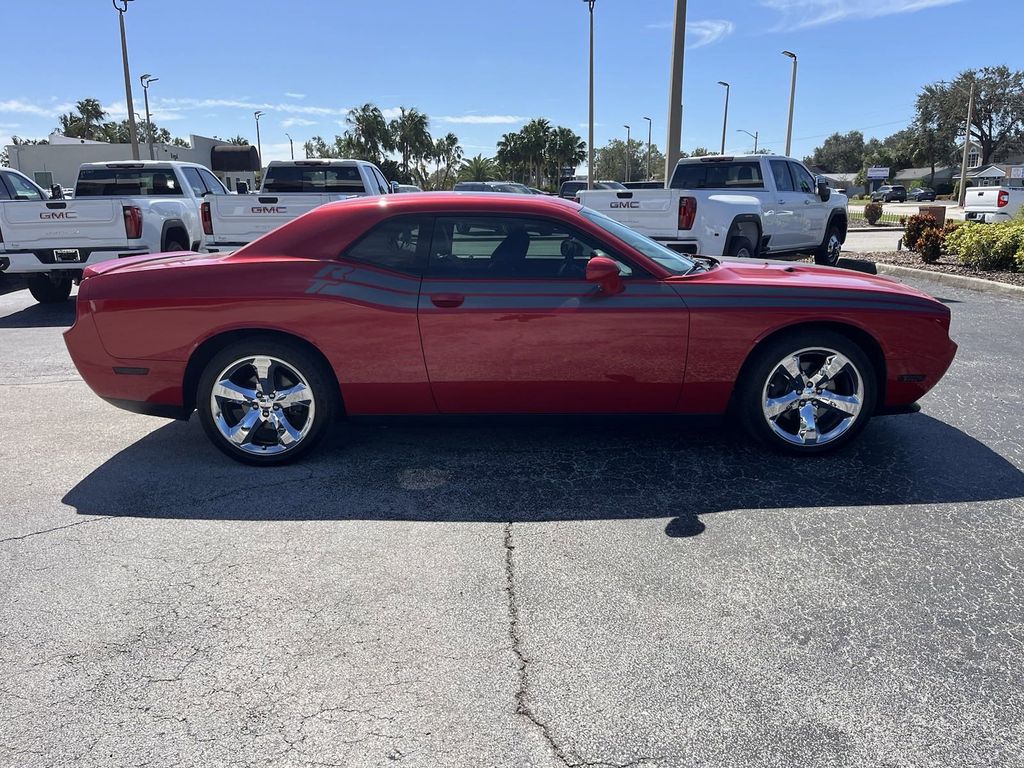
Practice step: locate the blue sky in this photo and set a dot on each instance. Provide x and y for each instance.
(483, 67)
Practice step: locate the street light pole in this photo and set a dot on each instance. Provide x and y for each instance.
(146, 81)
(259, 147)
(792, 100)
(725, 117)
(675, 93)
(291, 145)
(649, 126)
(967, 146)
(590, 135)
(628, 152)
(753, 135)
(121, 6)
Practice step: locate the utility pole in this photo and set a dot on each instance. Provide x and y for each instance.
(753, 135)
(649, 126)
(259, 147)
(675, 93)
(590, 135)
(725, 117)
(121, 6)
(967, 147)
(146, 80)
(628, 152)
(291, 145)
(792, 100)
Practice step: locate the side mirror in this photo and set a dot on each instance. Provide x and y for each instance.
(242, 187)
(604, 271)
(394, 187)
(823, 191)
(56, 192)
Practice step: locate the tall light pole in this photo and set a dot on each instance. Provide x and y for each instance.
(675, 93)
(753, 135)
(590, 135)
(725, 117)
(121, 6)
(291, 144)
(792, 100)
(628, 153)
(649, 126)
(146, 81)
(259, 147)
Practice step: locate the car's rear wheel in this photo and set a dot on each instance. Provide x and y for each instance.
(831, 247)
(263, 401)
(49, 290)
(808, 392)
(741, 248)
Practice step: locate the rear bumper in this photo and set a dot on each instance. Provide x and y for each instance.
(987, 217)
(45, 260)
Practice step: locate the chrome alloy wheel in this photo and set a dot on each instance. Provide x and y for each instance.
(833, 248)
(812, 396)
(262, 405)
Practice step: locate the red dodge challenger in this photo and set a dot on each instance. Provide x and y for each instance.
(444, 303)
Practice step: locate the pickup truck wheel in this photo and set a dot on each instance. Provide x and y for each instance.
(173, 245)
(828, 254)
(806, 393)
(48, 290)
(262, 401)
(741, 248)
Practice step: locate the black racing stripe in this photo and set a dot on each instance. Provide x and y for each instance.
(796, 303)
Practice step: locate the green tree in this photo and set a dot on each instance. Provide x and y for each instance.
(238, 141)
(565, 149)
(410, 136)
(446, 156)
(85, 122)
(368, 135)
(477, 168)
(511, 156)
(701, 152)
(840, 153)
(535, 135)
(611, 161)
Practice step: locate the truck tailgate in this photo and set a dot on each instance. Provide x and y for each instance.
(651, 211)
(240, 219)
(90, 224)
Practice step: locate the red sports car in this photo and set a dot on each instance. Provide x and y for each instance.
(452, 304)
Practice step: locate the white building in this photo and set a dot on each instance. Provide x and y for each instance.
(57, 161)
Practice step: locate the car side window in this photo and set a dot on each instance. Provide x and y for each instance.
(382, 183)
(783, 181)
(21, 188)
(513, 248)
(213, 184)
(195, 181)
(802, 179)
(398, 244)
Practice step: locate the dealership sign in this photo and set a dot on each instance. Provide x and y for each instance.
(878, 173)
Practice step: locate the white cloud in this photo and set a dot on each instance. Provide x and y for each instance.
(294, 109)
(291, 122)
(291, 95)
(701, 33)
(22, 107)
(799, 14)
(481, 119)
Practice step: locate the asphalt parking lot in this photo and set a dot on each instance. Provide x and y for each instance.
(513, 594)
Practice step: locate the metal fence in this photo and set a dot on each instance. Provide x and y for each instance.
(886, 218)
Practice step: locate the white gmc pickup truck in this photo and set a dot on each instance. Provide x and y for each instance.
(119, 209)
(746, 206)
(290, 188)
(989, 205)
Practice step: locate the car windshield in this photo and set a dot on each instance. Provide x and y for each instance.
(674, 262)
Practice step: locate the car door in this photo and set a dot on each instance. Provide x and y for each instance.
(815, 210)
(786, 212)
(510, 324)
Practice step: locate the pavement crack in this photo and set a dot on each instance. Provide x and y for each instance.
(57, 528)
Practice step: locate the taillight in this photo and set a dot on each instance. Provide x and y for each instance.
(204, 212)
(687, 212)
(133, 221)
(1004, 198)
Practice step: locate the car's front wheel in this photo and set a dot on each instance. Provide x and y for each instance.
(807, 392)
(831, 247)
(263, 401)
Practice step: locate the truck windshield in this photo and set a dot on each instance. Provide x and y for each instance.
(674, 262)
(134, 182)
(739, 174)
(317, 178)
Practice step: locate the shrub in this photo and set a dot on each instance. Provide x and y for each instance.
(929, 244)
(988, 246)
(915, 226)
(873, 212)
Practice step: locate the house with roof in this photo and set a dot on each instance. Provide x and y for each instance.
(945, 176)
(997, 174)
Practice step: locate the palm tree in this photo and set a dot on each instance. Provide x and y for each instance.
(511, 153)
(565, 149)
(535, 141)
(239, 141)
(85, 123)
(409, 135)
(477, 168)
(368, 132)
(447, 154)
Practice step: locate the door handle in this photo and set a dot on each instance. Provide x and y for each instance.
(447, 300)
(807, 202)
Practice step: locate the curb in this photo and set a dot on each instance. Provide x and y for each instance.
(957, 281)
(892, 228)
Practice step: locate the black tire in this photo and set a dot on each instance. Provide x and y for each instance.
(173, 245)
(762, 373)
(831, 247)
(49, 291)
(741, 248)
(263, 447)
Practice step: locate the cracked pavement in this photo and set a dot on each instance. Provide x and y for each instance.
(520, 593)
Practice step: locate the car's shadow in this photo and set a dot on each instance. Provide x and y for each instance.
(41, 316)
(543, 471)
